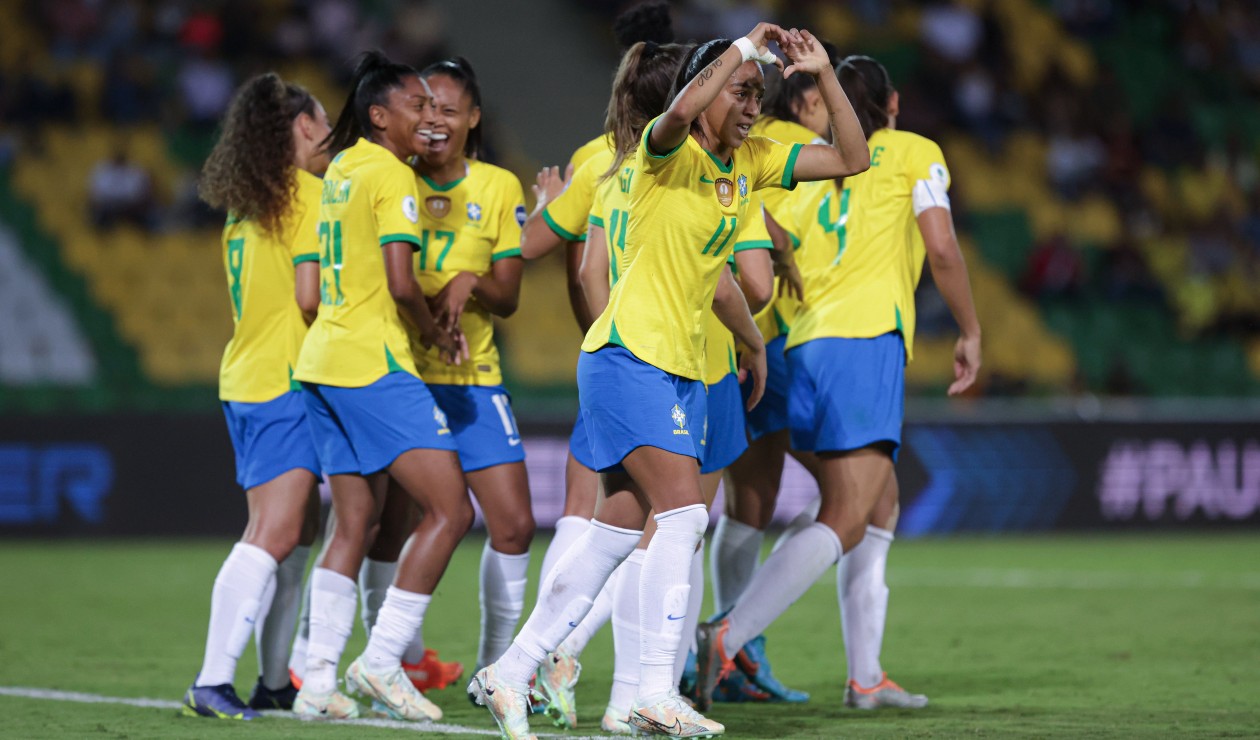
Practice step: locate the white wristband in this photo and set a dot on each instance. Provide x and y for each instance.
(747, 48)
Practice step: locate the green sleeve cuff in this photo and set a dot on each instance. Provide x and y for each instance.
(647, 143)
(789, 178)
(560, 231)
(308, 257)
(754, 244)
(796, 240)
(513, 252)
(411, 239)
(596, 221)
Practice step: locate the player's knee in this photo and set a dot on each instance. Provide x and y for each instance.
(514, 536)
(456, 518)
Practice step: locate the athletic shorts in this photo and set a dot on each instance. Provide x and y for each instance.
(480, 418)
(362, 430)
(270, 438)
(771, 414)
(627, 404)
(847, 394)
(580, 444)
(724, 437)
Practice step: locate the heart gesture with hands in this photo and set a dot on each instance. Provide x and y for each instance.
(806, 54)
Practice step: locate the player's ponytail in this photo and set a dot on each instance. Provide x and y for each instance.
(374, 77)
(787, 94)
(866, 83)
(249, 173)
(640, 93)
(460, 70)
(647, 21)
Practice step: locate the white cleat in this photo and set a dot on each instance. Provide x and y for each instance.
(557, 677)
(333, 705)
(886, 693)
(392, 692)
(668, 715)
(616, 722)
(508, 706)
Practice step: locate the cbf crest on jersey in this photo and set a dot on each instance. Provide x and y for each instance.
(474, 212)
(437, 206)
(725, 190)
(680, 419)
(743, 186)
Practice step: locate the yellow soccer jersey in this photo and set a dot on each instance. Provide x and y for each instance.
(610, 210)
(861, 251)
(685, 209)
(268, 326)
(775, 319)
(598, 145)
(369, 200)
(567, 214)
(464, 227)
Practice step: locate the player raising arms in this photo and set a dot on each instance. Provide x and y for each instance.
(639, 373)
(368, 409)
(264, 171)
(863, 246)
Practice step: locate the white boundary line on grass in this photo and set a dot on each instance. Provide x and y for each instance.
(23, 692)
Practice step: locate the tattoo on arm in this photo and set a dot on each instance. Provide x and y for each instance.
(707, 72)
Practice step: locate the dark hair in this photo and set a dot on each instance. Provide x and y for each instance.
(647, 21)
(700, 57)
(787, 92)
(375, 76)
(249, 173)
(640, 93)
(866, 83)
(459, 70)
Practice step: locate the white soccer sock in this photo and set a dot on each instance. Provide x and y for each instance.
(664, 590)
(785, 576)
(274, 633)
(864, 604)
(399, 618)
(333, 598)
(733, 559)
(695, 601)
(799, 522)
(568, 530)
(503, 579)
(375, 578)
(594, 620)
(297, 658)
(565, 598)
(625, 623)
(235, 602)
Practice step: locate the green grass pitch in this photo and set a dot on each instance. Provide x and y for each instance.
(1123, 636)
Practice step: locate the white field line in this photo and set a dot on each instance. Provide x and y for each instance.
(1085, 580)
(421, 727)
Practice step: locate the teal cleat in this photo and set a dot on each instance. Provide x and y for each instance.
(752, 661)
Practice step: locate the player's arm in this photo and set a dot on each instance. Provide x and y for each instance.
(538, 239)
(756, 276)
(848, 154)
(306, 288)
(500, 289)
(594, 272)
(949, 271)
(574, 254)
(784, 257)
(732, 311)
(673, 126)
(409, 297)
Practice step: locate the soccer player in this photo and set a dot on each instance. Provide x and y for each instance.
(369, 411)
(264, 171)
(639, 375)
(863, 245)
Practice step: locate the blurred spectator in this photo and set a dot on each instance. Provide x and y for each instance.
(1123, 275)
(1055, 270)
(206, 87)
(120, 191)
(952, 32)
(130, 95)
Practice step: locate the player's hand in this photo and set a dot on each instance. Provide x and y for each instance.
(550, 184)
(450, 301)
(752, 364)
(966, 363)
(791, 283)
(806, 54)
(763, 34)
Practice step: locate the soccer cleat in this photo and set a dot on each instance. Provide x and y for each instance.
(886, 693)
(670, 716)
(431, 673)
(616, 721)
(265, 698)
(752, 661)
(295, 679)
(557, 677)
(737, 689)
(216, 701)
(333, 705)
(508, 706)
(712, 665)
(392, 690)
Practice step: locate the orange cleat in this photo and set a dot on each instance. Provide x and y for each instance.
(431, 673)
(295, 679)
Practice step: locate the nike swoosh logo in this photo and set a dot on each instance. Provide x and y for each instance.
(514, 442)
(672, 618)
(673, 730)
(705, 180)
(573, 625)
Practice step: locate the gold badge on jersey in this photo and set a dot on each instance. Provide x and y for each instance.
(725, 190)
(438, 206)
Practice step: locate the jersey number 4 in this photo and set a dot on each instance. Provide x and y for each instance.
(839, 226)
